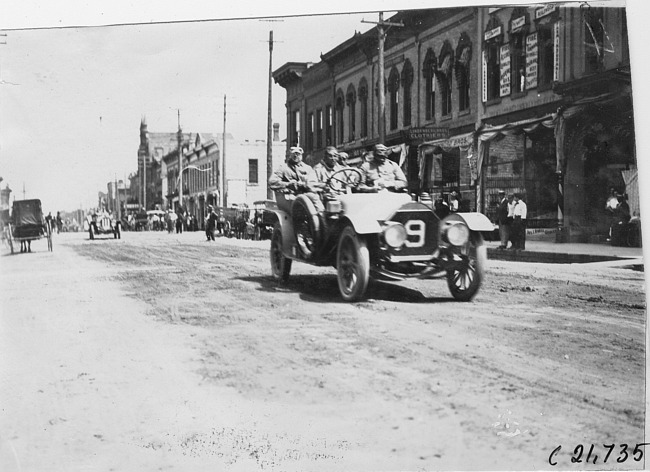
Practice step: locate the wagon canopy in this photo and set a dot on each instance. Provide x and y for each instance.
(27, 212)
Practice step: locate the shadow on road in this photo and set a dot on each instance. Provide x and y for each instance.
(324, 289)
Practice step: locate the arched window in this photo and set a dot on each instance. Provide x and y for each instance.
(491, 49)
(445, 66)
(519, 24)
(407, 83)
(363, 103)
(393, 89)
(351, 101)
(338, 119)
(429, 68)
(462, 68)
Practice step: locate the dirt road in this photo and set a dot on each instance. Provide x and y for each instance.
(165, 352)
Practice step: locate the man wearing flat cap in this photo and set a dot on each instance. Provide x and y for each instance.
(381, 173)
(295, 177)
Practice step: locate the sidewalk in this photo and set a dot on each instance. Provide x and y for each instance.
(568, 253)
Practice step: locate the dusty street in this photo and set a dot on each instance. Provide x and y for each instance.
(166, 352)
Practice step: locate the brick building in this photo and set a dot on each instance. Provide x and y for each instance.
(533, 99)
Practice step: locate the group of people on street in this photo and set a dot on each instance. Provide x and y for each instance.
(512, 214)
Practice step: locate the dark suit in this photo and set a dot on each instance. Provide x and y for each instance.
(505, 222)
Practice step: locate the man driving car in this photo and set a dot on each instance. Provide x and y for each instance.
(381, 173)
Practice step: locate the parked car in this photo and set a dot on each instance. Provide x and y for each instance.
(384, 235)
(103, 222)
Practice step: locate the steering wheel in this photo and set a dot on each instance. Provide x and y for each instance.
(343, 179)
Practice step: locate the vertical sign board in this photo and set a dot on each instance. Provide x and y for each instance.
(531, 61)
(485, 75)
(504, 59)
(556, 51)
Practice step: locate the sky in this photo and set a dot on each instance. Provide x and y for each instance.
(75, 81)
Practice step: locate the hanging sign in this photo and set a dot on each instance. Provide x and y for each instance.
(531, 61)
(504, 56)
(556, 51)
(485, 79)
(546, 10)
(517, 24)
(493, 33)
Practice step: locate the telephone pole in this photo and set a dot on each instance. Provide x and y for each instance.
(179, 137)
(269, 124)
(381, 33)
(224, 181)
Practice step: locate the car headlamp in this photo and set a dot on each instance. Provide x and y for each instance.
(395, 235)
(457, 234)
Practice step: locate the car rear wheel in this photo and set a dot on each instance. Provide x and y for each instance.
(280, 265)
(464, 282)
(353, 265)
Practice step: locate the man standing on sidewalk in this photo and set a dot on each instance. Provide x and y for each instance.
(519, 224)
(504, 219)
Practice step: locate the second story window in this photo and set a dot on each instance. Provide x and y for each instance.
(594, 38)
(546, 51)
(407, 85)
(492, 39)
(463, 61)
(328, 125)
(445, 64)
(319, 129)
(429, 68)
(339, 117)
(363, 105)
(351, 101)
(295, 128)
(310, 132)
(393, 89)
(252, 171)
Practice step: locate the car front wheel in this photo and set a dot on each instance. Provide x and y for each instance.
(280, 265)
(464, 282)
(353, 265)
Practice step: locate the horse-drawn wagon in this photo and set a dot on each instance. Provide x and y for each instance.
(25, 224)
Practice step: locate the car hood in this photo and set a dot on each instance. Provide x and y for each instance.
(365, 210)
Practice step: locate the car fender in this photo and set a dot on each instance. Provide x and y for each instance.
(286, 227)
(364, 211)
(474, 221)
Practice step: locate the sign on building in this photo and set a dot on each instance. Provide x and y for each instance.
(504, 59)
(531, 61)
(556, 51)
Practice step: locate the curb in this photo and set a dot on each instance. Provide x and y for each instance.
(549, 257)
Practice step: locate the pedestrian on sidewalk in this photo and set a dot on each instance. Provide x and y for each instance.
(210, 223)
(504, 218)
(520, 213)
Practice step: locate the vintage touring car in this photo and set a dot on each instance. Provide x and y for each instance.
(385, 235)
(103, 223)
